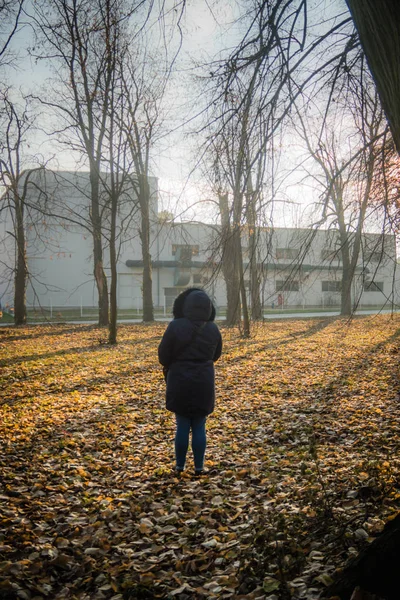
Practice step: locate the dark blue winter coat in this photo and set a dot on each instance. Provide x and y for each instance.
(189, 347)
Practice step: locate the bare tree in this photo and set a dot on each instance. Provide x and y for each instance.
(144, 93)
(385, 190)
(278, 44)
(348, 171)
(10, 16)
(115, 183)
(252, 220)
(80, 36)
(243, 130)
(16, 125)
(89, 41)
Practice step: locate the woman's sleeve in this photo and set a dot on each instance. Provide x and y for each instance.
(166, 347)
(218, 349)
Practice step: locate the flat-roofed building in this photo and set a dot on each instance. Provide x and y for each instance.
(295, 267)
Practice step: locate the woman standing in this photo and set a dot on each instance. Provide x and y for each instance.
(190, 345)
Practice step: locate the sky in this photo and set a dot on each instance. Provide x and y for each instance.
(204, 31)
(207, 27)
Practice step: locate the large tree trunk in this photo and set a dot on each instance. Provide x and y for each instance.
(238, 255)
(255, 283)
(374, 571)
(378, 25)
(345, 250)
(144, 200)
(229, 262)
(345, 301)
(21, 269)
(350, 249)
(347, 272)
(255, 286)
(112, 335)
(99, 275)
(245, 308)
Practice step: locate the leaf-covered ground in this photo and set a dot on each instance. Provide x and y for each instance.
(304, 448)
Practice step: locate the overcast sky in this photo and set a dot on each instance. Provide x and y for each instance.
(206, 30)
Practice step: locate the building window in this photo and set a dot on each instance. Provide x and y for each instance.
(185, 249)
(373, 256)
(328, 255)
(331, 286)
(198, 279)
(287, 285)
(170, 294)
(288, 253)
(373, 286)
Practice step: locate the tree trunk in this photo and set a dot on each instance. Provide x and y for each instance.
(374, 571)
(256, 309)
(99, 275)
(229, 262)
(112, 330)
(378, 25)
(345, 301)
(350, 249)
(255, 284)
(245, 309)
(237, 238)
(21, 269)
(347, 274)
(144, 200)
(232, 277)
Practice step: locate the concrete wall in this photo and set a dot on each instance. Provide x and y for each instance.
(295, 264)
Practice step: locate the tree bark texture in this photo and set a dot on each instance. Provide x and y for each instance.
(112, 329)
(347, 275)
(245, 308)
(21, 268)
(255, 280)
(99, 275)
(229, 262)
(378, 25)
(144, 200)
(351, 246)
(374, 573)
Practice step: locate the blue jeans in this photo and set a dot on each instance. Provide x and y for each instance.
(183, 427)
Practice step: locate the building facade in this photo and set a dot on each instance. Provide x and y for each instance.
(295, 267)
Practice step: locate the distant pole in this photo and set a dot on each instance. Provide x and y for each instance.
(165, 305)
(81, 306)
(51, 308)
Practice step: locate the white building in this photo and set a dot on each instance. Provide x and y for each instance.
(298, 267)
